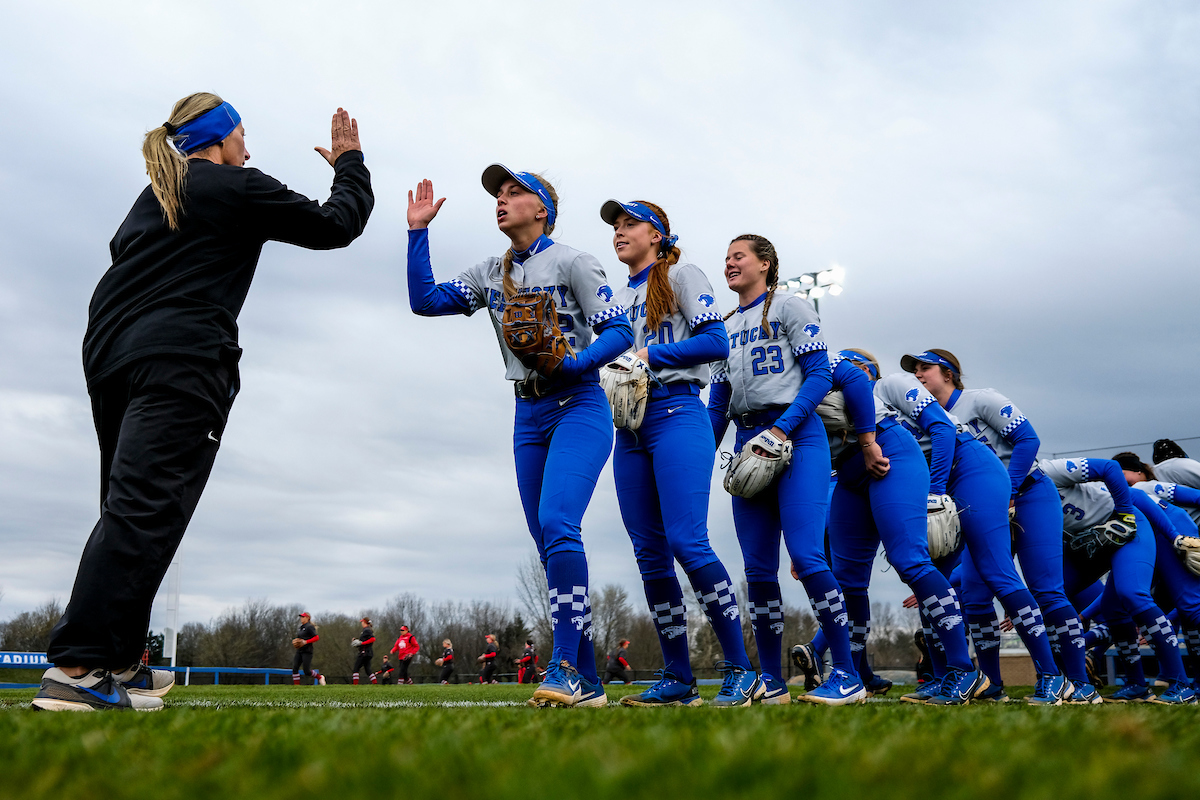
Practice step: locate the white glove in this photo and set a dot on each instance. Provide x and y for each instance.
(942, 525)
(757, 464)
(355, 643)
(1188, 548)
(626, 383)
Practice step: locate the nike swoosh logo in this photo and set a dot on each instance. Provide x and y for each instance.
(843, 692)
(673, 410)
(573, 686)
(112, 697)
(213, 438)
(565, 400)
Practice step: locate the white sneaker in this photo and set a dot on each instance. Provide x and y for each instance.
(141, 680)
(97, 690)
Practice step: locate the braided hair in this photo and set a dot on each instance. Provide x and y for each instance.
(660, 297)
(763, 251)
(510, 286)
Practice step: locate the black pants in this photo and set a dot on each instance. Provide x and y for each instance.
(159, 422)
(447, 671)
(616, 672)
(489, 669)
(302, 662)
(363, 660)
(402, 670)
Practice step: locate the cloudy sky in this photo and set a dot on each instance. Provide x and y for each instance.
(1016, 182)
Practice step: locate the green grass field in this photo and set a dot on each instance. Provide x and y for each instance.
(482, 741)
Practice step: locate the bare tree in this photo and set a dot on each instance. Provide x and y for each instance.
(30, 630)
(533, 593)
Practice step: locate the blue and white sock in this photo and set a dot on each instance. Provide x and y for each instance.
(766, 619)
(940, 610)
(937, 652)
(1068, 636)
(714, 592)
(665, 599)
(1125, 639)
(1027, 619)
(830, 608)
(587, 648)
(1097, 636)
(985, 635)
(567, 576)
(858, 607)
(1166, 643)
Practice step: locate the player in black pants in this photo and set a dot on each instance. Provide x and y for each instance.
(302, 660)
(386, 669)
(488, 659)
(366, 650)
(618, 665)
(527, 664)
(446, 662)
(160, 356)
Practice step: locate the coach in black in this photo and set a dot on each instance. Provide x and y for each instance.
(160, 357)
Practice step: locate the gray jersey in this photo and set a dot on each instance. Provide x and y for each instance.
(839, 442)
(582, 296)
(1086, 501)
(988, 416)
(1185, 472)
(904, 398)
(761, 369)
(697, 305)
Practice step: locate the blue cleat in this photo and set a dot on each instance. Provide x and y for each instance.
(1051, 690)
(738, 687)
(925, 691)
(994, 694)
(878, 687)
(959, 688)
(774, 692)
(1133, 693)
(562, 686)
(805, 659)
(591, 695)
(840, 689)
(1179, 693)
(667, 691)
(1084, 695)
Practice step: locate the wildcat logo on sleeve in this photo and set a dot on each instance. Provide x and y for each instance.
(706, 300)
(605, 293)
(813, 330)
(911, 395)
(1007, 412)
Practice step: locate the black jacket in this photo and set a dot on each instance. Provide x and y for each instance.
(180, 292)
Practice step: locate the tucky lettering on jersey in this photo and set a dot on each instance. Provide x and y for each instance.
(977, 432)
(706, 300)
(496, 297)
(605, 293)
(755, 334)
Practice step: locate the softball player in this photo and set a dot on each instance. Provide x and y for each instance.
(993, 420)
(446, 662)
(970, 473)
(1094, 491)
(663, 471)
(488, 660)
(882, 480)
(776, 374)
(305, 638)
(365, 644)
(563, 430)
(1172, 464)
(160, 357)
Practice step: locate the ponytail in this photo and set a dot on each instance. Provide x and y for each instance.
(763, 251)
(660, 297)
(510, 286)
(166, 166)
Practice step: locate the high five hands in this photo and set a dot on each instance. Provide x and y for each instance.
(343, 136)
(421, 208)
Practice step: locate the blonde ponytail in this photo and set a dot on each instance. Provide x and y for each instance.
(166, 166)
(510, 286)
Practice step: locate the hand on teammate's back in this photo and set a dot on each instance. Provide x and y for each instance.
(421, 208)
(343, 136)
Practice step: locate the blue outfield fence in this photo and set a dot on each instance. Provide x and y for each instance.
(17, 660)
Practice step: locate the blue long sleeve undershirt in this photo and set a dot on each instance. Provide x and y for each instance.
(943, 438)
(1025, 444)
(1102, 469)
(614, 336)
(1186, 496)
(425, 295)
(718, 408)
(818, 380)
(708, 342)
(1160, 523)
(855, 387)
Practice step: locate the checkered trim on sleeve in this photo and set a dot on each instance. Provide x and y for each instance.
(469, 293)
(1012, 426)
(835, 360)
(919, 407)
(811, 347)
(720, 376)
(1085, 469)
(603, 316)
(708, 316)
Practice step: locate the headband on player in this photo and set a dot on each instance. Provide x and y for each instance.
(909, 363)
(207, 129)
(641, 212)
(859, 358)
(495, 176)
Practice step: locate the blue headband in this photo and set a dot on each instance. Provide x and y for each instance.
(909, 362)
(859, 358)
(641, 212)
(206, 130)
(495, 176)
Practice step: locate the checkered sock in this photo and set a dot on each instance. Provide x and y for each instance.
(937, 652)
(665, 599)
(567, 576)
(858, 607)
(587, 648)
(1125, 638)
(830, 608)
(1068, 631)
(1097, 636)
(1166, 643)
(940, 609)
(985, 635)
(766, 618)
(1026, 617)
(714, 592)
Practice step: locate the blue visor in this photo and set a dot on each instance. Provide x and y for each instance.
(207, 129)
(495, 176)
(641, 212)
(859, 358)
(909, 362)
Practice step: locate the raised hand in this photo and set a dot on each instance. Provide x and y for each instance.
(343, 135)
(421, 208)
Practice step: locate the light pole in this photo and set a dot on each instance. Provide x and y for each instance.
(815, 285)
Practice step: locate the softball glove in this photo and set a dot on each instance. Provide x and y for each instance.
(942, 525)
(530, 330)
(757, 464)
(626, 383)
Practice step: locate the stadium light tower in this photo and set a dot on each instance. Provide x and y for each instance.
(815, 285)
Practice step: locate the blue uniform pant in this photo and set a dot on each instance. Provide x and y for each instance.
(1171, 574)
(560, 444)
